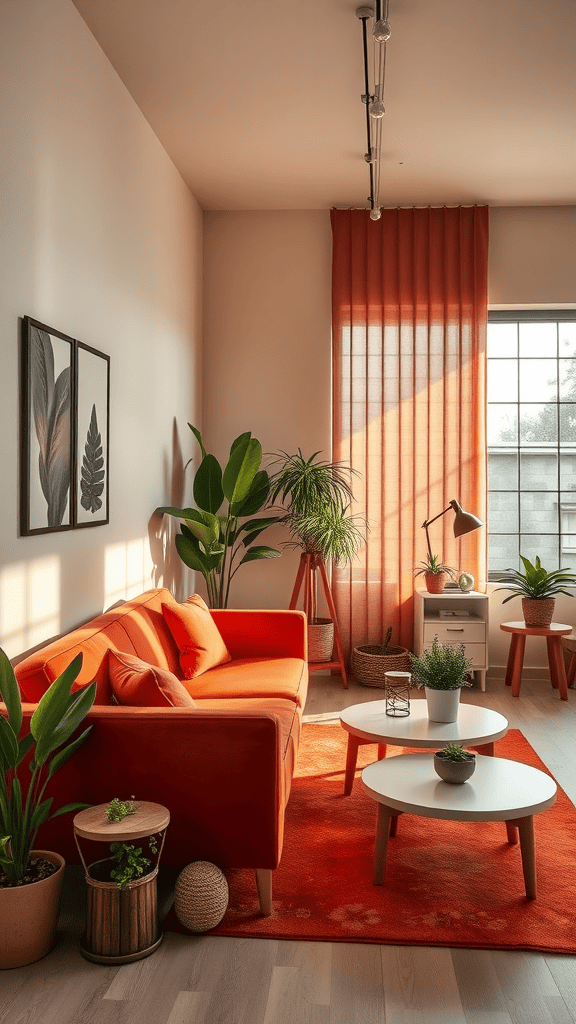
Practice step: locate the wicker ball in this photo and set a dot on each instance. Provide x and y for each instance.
(201, 896)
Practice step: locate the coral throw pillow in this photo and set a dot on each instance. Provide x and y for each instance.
(196, 635)
(138, 684)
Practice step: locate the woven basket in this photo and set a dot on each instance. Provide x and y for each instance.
(201, 896)
(369, 665)
(538, 611)
(320, 640)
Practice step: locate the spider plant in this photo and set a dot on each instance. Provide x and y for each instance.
(432, 566)
(536, 583)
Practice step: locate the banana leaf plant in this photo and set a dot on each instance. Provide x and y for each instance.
(23, 808)
(218, 536)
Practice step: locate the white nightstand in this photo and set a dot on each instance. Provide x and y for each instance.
(468, 625)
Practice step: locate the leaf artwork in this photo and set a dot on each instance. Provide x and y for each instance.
(92, 474)
(51, 407)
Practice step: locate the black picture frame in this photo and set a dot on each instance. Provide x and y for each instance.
(92, 429)
(47, 429)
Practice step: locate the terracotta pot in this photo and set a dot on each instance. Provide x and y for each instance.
(538, 611)
(29, 915)
(454, 771)
(435, 582)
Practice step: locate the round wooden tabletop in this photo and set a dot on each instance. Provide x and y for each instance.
(554, 629)
(499, 790)
(148, 819)
(475, 725)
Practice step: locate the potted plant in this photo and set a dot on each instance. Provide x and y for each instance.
(435, 573)
(30, 879)
(442, 670)
(538, 588)
(316, 497)
(218, 536)
(454, 764)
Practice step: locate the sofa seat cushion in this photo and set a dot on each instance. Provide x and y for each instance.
(253, 677)
(137, 684)
(196, 635)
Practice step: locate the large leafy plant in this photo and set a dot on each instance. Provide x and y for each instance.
(57, 716)
(535, 582)
(218, 536)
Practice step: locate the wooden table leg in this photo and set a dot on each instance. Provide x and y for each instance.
(394, 823)
(485, 748)
(512, 833)
(381, 751)
(525, 827)
(383, 817)
(351, 758)
(515, 662)
(571, 671)
(556, 664)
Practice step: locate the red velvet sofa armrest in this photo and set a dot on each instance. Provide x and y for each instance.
(219, 772)
(262, 633)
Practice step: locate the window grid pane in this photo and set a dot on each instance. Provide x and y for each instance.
(531, 416)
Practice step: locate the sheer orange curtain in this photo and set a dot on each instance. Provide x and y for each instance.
(409, 326)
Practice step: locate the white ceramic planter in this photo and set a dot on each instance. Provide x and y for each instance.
(442, 704)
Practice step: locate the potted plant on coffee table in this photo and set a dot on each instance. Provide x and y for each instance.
(442, 670)
(30, 879)
(538, 589)
(454, 764)
(435, 573)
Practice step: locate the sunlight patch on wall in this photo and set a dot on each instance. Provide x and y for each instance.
(127, 570)
(29, 604)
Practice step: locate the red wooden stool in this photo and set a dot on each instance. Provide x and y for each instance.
(553, 633)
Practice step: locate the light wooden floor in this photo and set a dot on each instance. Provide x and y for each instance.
(212, 980)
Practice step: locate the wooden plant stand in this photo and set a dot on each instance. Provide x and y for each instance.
(121, 924)
(306, 576)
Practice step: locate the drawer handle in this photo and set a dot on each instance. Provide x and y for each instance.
(454, 629)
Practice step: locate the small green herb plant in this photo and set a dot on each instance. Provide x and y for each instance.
(119, 809)
(441, 667)
(454, 752)
(130, 863)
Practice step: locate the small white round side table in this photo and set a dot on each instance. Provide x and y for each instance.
(499, 790)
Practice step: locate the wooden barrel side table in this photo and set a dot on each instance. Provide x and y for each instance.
(121, 924)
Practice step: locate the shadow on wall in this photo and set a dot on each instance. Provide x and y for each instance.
(168, 569)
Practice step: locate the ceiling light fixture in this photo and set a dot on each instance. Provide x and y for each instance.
(373, 95)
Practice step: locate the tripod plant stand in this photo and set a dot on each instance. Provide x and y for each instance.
(310, 564)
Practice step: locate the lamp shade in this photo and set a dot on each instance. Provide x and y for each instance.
(464, 522)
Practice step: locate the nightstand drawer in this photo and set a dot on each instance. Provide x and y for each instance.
(475, 652)
(455, 632)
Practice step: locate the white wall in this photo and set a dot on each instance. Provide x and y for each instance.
(100, 239)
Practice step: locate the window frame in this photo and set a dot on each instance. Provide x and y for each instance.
(519, 316)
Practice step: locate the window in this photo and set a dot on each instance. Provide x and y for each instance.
(531, 438)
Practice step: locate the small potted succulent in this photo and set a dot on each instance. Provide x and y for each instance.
(435, 573)
(442, 670)
(454, 764)
(538, 589)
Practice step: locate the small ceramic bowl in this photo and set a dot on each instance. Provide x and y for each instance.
(454, 771)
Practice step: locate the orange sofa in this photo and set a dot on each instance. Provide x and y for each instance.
(223, 768)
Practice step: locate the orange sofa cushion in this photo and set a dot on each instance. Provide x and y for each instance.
(285, 678)
(138, 684)
(196, 635)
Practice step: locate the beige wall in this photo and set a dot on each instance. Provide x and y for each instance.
(102, 240)
(532, 259)
(267, 361)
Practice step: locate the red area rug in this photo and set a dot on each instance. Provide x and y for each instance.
(447, 883)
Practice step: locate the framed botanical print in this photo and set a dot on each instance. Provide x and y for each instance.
(47, 429)
(92, 420)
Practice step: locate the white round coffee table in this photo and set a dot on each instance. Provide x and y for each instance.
(368, 723)
(499, 790)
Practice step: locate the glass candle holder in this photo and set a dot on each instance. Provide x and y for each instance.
(397, 694)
